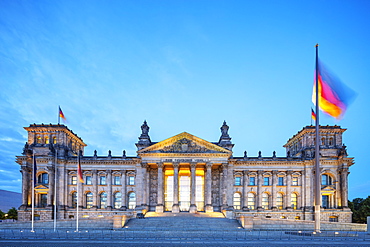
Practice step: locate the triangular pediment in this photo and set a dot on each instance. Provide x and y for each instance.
(184, 143)
(328, 188)
(41, 187)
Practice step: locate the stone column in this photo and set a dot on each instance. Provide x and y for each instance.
(288, 189)
(193, 206)
(224, 186)
(62, 186)
(175, 206)
(144, 186)
(308, 189)
(25, 188)
(259, 190)
(50, 198)
(147, 197)
(273, 190)
(95, 187)
(123, 190)
(208, 197)
(159, 208)
(139, 186)
(230, 186)
(245, 190)
(109, 190)
(344, 179)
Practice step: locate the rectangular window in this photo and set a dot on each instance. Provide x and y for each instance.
(295, 181)
(131, 180)
(74, 180)
(43, 200)
(238, 181)
(116, 180)
(281, 181)
(266, 181)
(252, 181)
(325, 201)
(103, 180)
(88, 180)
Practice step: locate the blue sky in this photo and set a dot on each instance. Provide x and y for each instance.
(182, 66)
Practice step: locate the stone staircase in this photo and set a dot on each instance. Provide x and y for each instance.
(183, 222)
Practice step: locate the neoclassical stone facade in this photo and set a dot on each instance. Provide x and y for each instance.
(184, 173)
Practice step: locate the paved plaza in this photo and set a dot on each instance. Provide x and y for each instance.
(179, 230)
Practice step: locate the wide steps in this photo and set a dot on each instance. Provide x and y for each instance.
(183, 222)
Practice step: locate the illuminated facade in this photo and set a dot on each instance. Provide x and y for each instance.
(184, 173)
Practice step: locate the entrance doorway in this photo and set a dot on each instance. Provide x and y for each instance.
(184, 193)
(184, 183)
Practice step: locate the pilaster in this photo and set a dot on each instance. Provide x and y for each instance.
(273, 189)
(124, 190)
(245, 190)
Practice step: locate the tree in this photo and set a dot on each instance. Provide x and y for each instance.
(361, 209)
(12, 214)
(2, 215)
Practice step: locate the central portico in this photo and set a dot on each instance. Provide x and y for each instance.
(179, 173)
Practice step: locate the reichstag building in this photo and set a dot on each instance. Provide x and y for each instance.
(184, 173)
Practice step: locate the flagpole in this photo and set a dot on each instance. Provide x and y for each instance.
(317, 150)
(55, 189)
(78, 186)
(33, 191)
(58, 115)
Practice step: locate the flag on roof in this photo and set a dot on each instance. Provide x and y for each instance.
(313, 115)
(61, 115)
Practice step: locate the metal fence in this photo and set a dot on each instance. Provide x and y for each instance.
(224, 235)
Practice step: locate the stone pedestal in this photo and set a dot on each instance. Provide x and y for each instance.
(229, 214)
(193, 208)
(209, 208)
(247, 222)
(175, 208)
(159, 209)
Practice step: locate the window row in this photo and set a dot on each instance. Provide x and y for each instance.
(103, 199)
(266, 181)
(265, 202)
(325, 180)
(102, 180)
(46, 139)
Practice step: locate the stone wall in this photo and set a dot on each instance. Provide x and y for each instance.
(255, 223)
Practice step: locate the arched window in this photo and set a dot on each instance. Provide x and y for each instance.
(331, 141)
(103, 200)
(251, 201)
(43, 178)
(54, 140)
(237, 201)
(38, 139)
(280, 201)
(131, 200)
(89, 200)
(74, 199)
(117, 198)
(326, 180)
(46, 140)
(265, 201)
(323, 141)
(293, 201)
